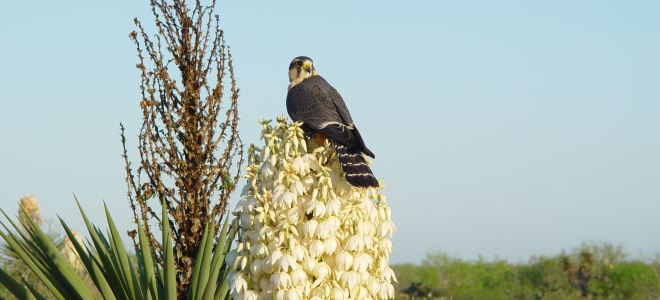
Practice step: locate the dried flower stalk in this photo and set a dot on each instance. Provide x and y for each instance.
(187, 155)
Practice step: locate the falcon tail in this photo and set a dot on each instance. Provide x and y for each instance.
(355, 167)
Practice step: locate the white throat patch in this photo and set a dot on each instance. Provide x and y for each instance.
(296, 78)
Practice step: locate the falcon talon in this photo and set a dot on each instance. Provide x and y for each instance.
(325, 117)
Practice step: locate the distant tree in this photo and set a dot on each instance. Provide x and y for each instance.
(586, 269)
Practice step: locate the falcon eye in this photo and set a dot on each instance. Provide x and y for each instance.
(299, 63)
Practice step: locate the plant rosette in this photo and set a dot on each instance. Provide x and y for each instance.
(304, 232)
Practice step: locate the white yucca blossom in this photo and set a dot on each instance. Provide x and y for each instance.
(305, 233)
(30, 205)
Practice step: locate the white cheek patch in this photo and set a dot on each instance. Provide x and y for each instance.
(293, 73)
(295, 79)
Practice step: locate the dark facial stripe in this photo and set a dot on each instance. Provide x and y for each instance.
(292, 65)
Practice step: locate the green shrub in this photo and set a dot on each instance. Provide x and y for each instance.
(614, 276)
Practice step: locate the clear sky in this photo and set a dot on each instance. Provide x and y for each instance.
(509, 128)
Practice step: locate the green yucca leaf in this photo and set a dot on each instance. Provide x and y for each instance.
(221, 292)
(102, 239)
(94, 272)
(121, 259)
(49, 265)
(106, 260)
(142, 277)
(168, 257)
(65, 275)
(34, 291)
(147, 263)
(199, 263)
(206, 265)
(31, 261)
(102, 259)
(216, 264)
(14, 286)
(221, 249)
(36, 269)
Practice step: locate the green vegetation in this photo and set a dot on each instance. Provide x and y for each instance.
(36, 265)
(612, 275)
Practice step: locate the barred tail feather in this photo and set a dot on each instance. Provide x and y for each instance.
(355, 167)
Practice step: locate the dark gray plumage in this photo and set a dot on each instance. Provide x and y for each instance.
(313, 101)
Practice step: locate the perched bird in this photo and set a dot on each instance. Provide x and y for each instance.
(313, 101)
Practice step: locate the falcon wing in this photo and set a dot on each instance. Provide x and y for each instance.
(320, 106)
(336, 98)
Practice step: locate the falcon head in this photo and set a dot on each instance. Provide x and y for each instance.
(300, 68)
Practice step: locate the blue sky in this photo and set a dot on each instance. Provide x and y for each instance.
(508, 128)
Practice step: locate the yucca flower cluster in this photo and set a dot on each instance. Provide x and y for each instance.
(30, 205)
(305, 233)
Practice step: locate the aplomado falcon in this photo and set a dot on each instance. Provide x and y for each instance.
(313, 101)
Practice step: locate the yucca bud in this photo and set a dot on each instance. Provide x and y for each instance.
(305, 233)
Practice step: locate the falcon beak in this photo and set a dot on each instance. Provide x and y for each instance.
(308, 68)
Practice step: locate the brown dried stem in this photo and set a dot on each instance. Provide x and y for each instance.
(186, 156)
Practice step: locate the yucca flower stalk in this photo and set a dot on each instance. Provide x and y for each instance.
(304, 232)
(31, 206)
